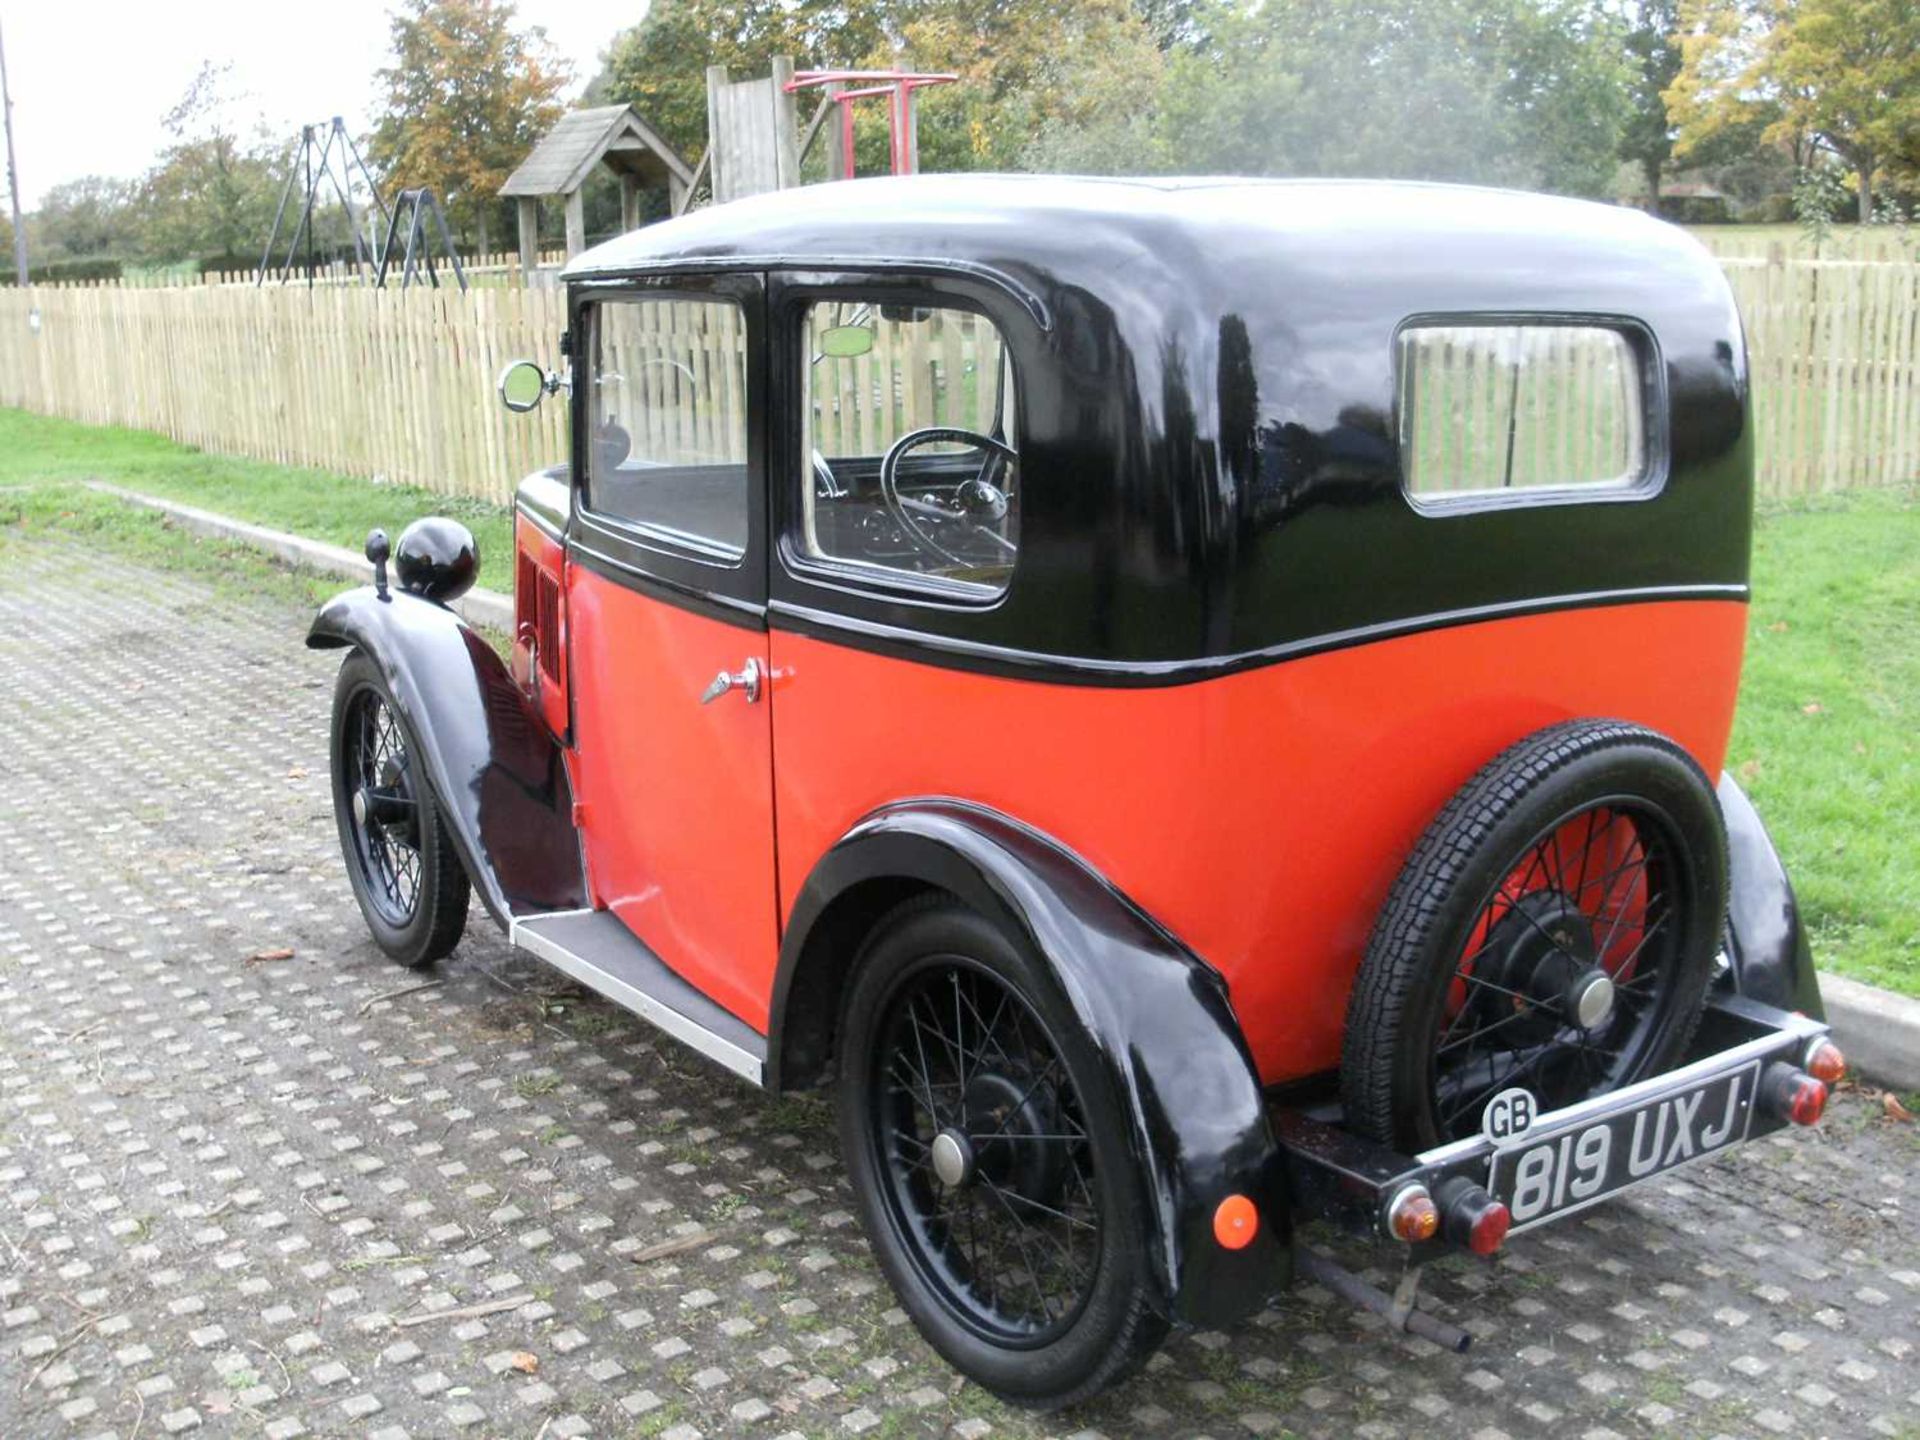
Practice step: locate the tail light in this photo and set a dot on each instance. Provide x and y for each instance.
(1792, 1094)
(1825, 1062)
(1412, 1216)
(1473, 1218)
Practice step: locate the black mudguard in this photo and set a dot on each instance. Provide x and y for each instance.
(1771, 959)
(1158, 1015)
(497, 771)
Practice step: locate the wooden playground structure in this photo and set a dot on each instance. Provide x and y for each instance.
(755, 143)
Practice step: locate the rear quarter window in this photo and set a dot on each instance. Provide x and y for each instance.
(1521, 411)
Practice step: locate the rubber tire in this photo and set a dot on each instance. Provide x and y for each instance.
(440, 911)
(1120, 1326)
(1470, 847)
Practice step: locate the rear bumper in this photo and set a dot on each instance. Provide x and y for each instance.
(1335, 1175)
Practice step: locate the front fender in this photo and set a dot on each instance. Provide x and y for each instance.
(1158, 1016)
(1772, 961)
(497, 771)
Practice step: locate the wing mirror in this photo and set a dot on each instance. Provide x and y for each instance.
(845, 342)
(523, 385)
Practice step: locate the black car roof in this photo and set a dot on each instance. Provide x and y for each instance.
(1099, 232)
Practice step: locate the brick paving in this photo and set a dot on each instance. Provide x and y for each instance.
(272, 1197)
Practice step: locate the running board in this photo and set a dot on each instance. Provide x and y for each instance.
(594, 948)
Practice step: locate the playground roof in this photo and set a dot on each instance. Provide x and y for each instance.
(614, 134)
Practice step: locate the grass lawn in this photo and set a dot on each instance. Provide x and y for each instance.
(1827, 742)
(35, 449)
(1828, 737)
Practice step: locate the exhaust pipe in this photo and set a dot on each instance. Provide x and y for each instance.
(1397, 1309)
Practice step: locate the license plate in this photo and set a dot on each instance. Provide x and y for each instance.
(1553, 1170)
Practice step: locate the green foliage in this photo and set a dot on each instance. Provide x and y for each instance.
(1023, 65)
(92, 267)
(1819, 195)
(92, 216)
(1520, 92)
(659, 66)
(1653, 64)
(1835, 76)
(213, 191)
(467, 95)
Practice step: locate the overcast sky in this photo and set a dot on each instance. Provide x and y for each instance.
(91, 78)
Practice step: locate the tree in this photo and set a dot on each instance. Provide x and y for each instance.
(1653, 64)
(1022, 64)
(660, 65)
(467, 96)
(93, 215)
(1521, 92)
(1841, 76)
(211, 192)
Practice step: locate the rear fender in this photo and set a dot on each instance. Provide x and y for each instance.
(1771, 959)
(499, 774)
(1158, 1016)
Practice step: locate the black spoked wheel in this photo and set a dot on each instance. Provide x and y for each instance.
(988, 1163)
(405, 874)
(1553, 931)
(997, 1200)
(386, 817)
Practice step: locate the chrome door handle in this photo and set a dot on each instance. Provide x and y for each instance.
(747, 681)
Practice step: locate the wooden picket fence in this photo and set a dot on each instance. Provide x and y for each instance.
(1834, 352)
(401, 384)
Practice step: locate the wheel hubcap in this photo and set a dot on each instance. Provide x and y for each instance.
(1590, 999)
(952, 1158)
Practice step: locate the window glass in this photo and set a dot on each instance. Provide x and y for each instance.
(909, 466)
(1490, 409)
(667, 420)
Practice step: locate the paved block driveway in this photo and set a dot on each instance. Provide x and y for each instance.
(272, 1198)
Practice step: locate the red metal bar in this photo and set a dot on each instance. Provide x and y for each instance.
(897, 85)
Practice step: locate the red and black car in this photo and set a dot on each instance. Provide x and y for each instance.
(1187, 704)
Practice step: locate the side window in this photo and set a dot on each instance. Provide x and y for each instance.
(909, 468)
(1493, 409)
(667, 421)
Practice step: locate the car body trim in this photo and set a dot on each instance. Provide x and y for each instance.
(1028, 664)
(646, 991)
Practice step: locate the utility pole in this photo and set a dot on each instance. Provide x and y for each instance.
(13, 178)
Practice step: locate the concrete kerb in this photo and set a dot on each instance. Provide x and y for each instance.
(487, 608)
(1878, 1030)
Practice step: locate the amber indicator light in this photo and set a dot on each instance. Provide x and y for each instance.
(1413, 1216)
(1826, 1064)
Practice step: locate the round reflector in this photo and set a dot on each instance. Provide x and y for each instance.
(1236, 1222)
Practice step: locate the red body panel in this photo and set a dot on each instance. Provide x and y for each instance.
(676, 796)
(540, 614)
(1261, 816)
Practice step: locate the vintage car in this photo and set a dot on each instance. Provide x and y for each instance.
(1187, 705)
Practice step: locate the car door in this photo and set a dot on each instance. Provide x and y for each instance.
(667, 627)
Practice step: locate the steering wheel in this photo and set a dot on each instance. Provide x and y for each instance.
(829, 483)
(979, 503)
